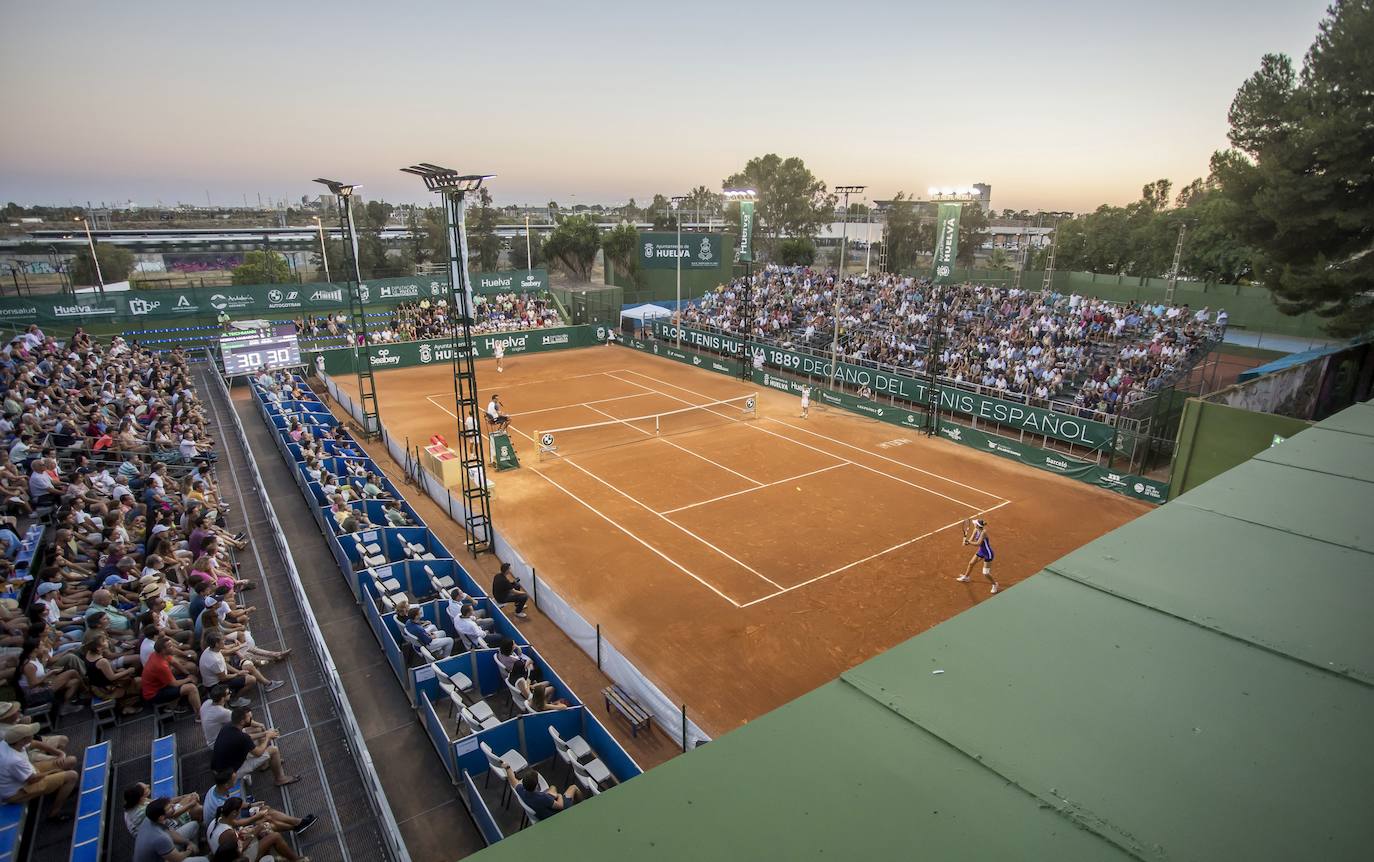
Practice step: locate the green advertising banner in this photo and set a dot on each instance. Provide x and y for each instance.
(1139, 487)
(510, 281)
(1061, 426)
(698, 360)
(136, 308)
(661, 250)
(407, 354)
(946, 241)
(746, 230)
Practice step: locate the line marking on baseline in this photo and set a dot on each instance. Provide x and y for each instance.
(885, 458)
(622, 529)
(579, 404)
(676, 446)
(895, 547)
(751, 490)
(798, 442)
(536, 382)
(737, 562)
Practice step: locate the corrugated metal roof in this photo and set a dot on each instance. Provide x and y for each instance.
(1198, 684)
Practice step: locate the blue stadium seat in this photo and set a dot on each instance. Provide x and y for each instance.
(11, 830)
(88, 837)
(164, 777)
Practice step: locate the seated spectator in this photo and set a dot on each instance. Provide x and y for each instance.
(157, 841)
(395, 516)
(539, 695)
(183, 812)
(215, 669)
(105, 681)
(429, 637)
(245, 831)
(160, 685)
(216, 712)
(510, 654)
(39, 683)
(21, 782)
(505, 589)
(466, 626)
(235, 750)
(544, 803)
(228, 786)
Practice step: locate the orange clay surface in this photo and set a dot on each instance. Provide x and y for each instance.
(741, 563)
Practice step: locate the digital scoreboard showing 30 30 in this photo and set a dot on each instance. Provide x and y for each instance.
(253, 351)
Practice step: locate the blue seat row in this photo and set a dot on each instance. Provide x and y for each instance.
(96, 773)
(384, 565)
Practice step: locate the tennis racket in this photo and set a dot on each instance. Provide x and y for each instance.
(967, 527)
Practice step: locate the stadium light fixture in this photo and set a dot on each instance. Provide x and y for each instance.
(740, 194)
(959, 193)
(339, 189)
(441, 179)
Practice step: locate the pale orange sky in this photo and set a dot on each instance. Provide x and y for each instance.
(1063, 107)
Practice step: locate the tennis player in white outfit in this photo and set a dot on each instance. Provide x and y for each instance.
(806, 401)
(498, 349)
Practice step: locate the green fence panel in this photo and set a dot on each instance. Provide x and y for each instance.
(1035, 420)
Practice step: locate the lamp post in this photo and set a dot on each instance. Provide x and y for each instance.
(324, 250)
(676, 204)
(362, 351)
(746, 253)
(453, 187)
(90, 240)
(839, 282)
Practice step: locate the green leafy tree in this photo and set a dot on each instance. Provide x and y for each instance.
(1299, 172)
(484, 244)
(973, 232)
(999, 259)
(661, 213)
(518, 259)
(796, 251)
(702, 203)
(115, 265)
(261, 267)
(904, 233)
(619, 245)
(791, 201)
(573, 245)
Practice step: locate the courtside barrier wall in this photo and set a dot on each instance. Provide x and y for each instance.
(914, 417)
(618, 667)
(405, 354)
(390, 830)
(420, 683)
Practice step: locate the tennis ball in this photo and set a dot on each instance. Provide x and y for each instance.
(799, 487)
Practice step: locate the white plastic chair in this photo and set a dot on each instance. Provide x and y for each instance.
(497, 766)
(591, 775)
(444, 583)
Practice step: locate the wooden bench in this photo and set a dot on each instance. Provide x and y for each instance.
(628, 707)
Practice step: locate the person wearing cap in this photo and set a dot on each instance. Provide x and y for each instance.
(21, 782)
(46, 752)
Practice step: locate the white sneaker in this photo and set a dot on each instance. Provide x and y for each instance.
(995, 588)
(963, 579)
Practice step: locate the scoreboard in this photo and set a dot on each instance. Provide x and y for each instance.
(249, 351)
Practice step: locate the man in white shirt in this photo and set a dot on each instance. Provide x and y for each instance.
(495, 416)
(472, 632)
(20, 782)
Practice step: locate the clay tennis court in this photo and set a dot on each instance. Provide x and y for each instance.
(743, 558)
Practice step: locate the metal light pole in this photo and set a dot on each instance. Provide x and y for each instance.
(453, 187)
(746, 245)
(839, 282)
(324, 250)
(676, 204)
(100, 278)
(529, 257)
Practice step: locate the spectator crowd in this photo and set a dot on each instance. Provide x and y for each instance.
(425, 318)
(1020, 344)
(134, 599)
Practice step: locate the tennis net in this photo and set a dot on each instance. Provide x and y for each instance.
(577, 439)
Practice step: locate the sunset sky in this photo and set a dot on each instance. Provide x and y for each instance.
(1062, 105)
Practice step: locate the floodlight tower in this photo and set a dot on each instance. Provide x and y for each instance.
(676, 203)
(844, 227)
(353, 276)
(454, 187)
(746, 198)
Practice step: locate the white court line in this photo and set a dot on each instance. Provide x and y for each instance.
(739, 563)
(617, 525)
(751, 490)
(676, 446)
(579, 404)
(895, 547)
(885, 458)
(537, 382)
(791, 440)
